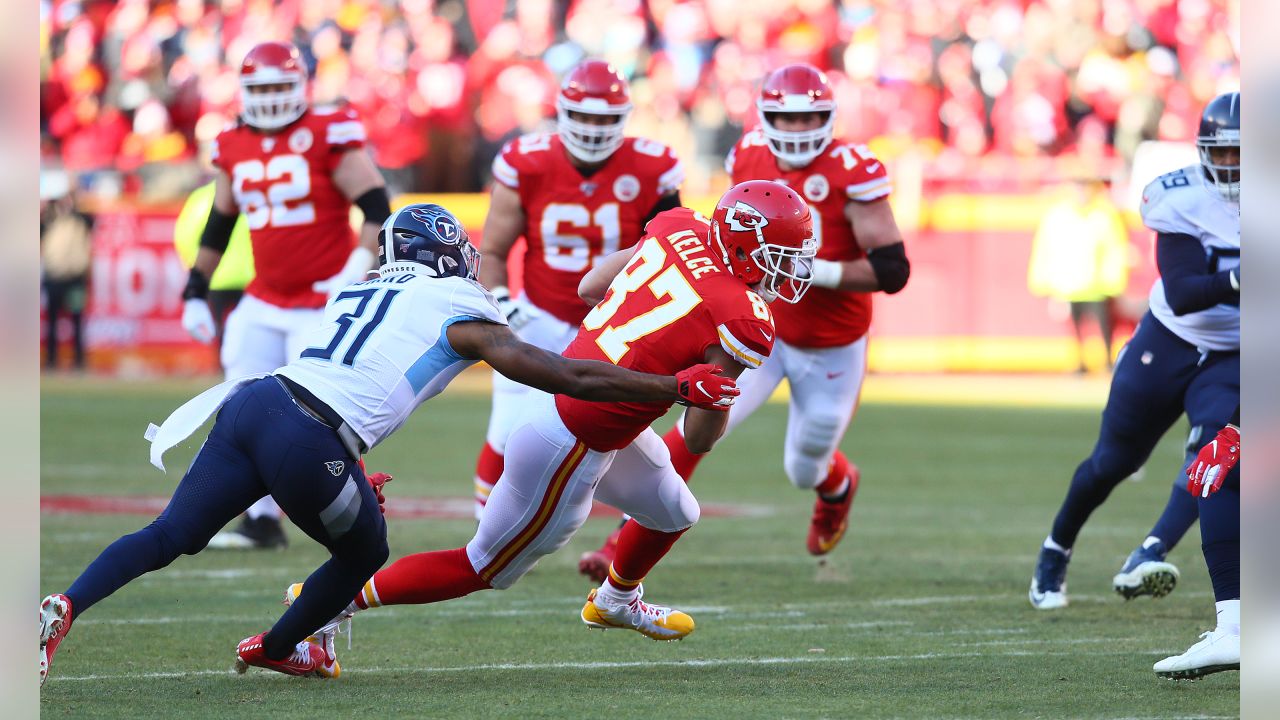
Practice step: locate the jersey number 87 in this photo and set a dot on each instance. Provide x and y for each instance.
(615, 340)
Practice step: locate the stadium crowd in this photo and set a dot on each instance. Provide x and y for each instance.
(131, 89)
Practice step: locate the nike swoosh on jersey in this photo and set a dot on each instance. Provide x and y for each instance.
(766, 335)
(834, 375)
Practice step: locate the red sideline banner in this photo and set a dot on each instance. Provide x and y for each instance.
(133, 317)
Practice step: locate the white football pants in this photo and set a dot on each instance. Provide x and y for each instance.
(825, 385)
(550, 479)
(545, 331)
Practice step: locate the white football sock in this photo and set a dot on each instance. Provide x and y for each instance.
(1229, 615)
(1049, 543)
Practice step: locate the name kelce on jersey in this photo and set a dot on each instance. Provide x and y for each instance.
(693, 253)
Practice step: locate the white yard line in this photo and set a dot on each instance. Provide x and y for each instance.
(708, 662)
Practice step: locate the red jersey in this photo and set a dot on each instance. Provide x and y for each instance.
(299, 221)
(843, 173)
(674, 300)
(573, 220)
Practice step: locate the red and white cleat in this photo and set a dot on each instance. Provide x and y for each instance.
(595, 564)
(830, 520)
(307, 659)
(55, 621)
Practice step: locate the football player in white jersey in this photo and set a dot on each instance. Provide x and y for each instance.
(1184, 358)
(387, 345)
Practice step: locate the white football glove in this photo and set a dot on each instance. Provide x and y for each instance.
(197, 320)
(518, 311)
(357, 268)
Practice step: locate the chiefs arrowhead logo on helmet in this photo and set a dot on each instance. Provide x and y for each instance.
(744, 218)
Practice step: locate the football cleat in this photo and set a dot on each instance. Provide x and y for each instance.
(325, 636)
(55, 621)
(595, 564)
(831, 519)
(1049, 584)
(1217, 651)
(1146, 573)
(306, 660)
(654, 621)
(261, 533)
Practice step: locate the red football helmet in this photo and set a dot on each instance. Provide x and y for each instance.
(798, 88)
(593, 88)
(764, 231)
(266, 68)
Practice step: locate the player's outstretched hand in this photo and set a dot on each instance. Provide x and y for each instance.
(703, 386)
(1206, 473)
(377, 480)
(197, 320)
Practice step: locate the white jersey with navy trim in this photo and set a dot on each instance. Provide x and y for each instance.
(1182, 202)
(382, 350)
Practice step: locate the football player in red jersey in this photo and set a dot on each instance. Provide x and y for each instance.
(691, 291)
(822, 342)
(293, 172)
(575, 196)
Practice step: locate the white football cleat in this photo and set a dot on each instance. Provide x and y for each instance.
(1049, 583)
(654, 621)
(1217, 651)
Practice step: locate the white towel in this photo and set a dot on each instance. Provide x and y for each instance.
(188, 418)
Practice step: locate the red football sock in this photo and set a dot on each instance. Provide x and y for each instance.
(422, 578)
(682, 460)
(488, 469)
(836, 475)
(639, 549)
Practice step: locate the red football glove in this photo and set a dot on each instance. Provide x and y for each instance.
(376, 481)
(703, 386)
(1206, 473)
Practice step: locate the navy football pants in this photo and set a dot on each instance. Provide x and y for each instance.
(1158, 377)
(261, 443)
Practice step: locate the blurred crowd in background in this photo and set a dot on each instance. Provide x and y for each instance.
(998, 93)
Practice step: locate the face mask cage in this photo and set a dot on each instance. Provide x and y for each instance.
(585, 141)
(798, 147)
(275, 109)
(788, 270)
(1225, 178)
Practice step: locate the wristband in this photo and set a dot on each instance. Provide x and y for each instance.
(197, 286)
(826, 273)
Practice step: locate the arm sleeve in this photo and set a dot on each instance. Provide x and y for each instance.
(1188, 285)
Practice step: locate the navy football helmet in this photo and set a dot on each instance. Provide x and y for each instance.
(426, 238)
(1220, 128)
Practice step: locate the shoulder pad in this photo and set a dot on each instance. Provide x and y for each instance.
(1167, 206)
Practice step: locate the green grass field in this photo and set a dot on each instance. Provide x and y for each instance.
(920, 613)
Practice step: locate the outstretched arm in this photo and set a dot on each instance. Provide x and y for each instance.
(700, 385)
